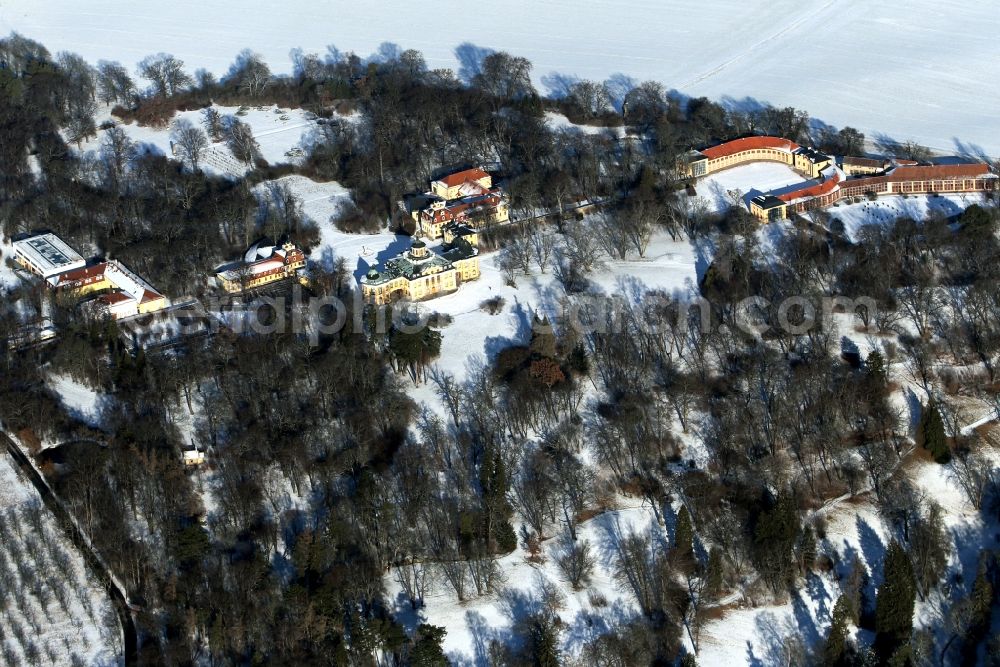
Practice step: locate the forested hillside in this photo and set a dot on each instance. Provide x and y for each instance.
(626, 468)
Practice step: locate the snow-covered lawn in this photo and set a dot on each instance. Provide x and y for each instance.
(725, 188)
(321, 204)
(559, 122)
(474, 337)
(284, 136)
(7, 276)
(913, 69)
(889, 209)
(80, 401)
(473, 624)
(53, 611)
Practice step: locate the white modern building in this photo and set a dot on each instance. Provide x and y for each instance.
(47, 255)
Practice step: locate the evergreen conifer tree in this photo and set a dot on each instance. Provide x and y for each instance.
(714, 574)
(980, 610)
(835, 650)
(894, 604)
(684, 540)
(544, 643)
(427, 651)
(932, 430)
(875, 367)
(806, 549)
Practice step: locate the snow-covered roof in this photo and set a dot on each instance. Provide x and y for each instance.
(49, 254)
(259, 251)
(749, 143)
(261, 258)
(460, 177)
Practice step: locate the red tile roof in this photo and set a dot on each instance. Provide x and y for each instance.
(149, 295)
(923, 173)
(747, 144)
(866, 162)
(451, 180)
(111, 298)
(76, 275)
(939, 172)
(818, 190)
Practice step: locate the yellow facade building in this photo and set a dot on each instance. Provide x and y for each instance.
(466, 197)
(117, 291)
(421, 273)
(262, 264)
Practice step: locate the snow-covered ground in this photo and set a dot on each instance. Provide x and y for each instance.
(282, 134)
(80, 401)
(474, 623)
(913, 69)
(53, 610)
(725, 188)
(8, 278)
(561, 123)
(476, 336)
(889, 209)
(321, 203)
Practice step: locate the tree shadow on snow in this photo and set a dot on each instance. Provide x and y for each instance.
(872, 550)
(970, 151)
(470, 60)
(618, 86)
(705, 249)
(400, 244)
(559, 85)
(524, 317)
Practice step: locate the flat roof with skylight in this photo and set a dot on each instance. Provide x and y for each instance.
(47, 255)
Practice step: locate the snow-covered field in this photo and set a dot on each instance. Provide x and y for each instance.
(8, 278)
(913, 69)
(723, 189)
(888, 209)
(282, 134)
(52, 611)
(473, 624)
(321, 203)
(79, 400)
(475, 336)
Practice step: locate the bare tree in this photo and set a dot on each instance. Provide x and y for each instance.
(80, 96)
(241, 141)
(576, 561)
(592, 98)
(190, 141)
(644, 104)
(115, 84)
(505, 76)
(534, 491)
(542, 244)
(929, 547)
(165, 73)
(583, 246)
(117, 152)
(250, 73)
(415, 578)
(976, 474)
(508, 265)
(211, 119)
